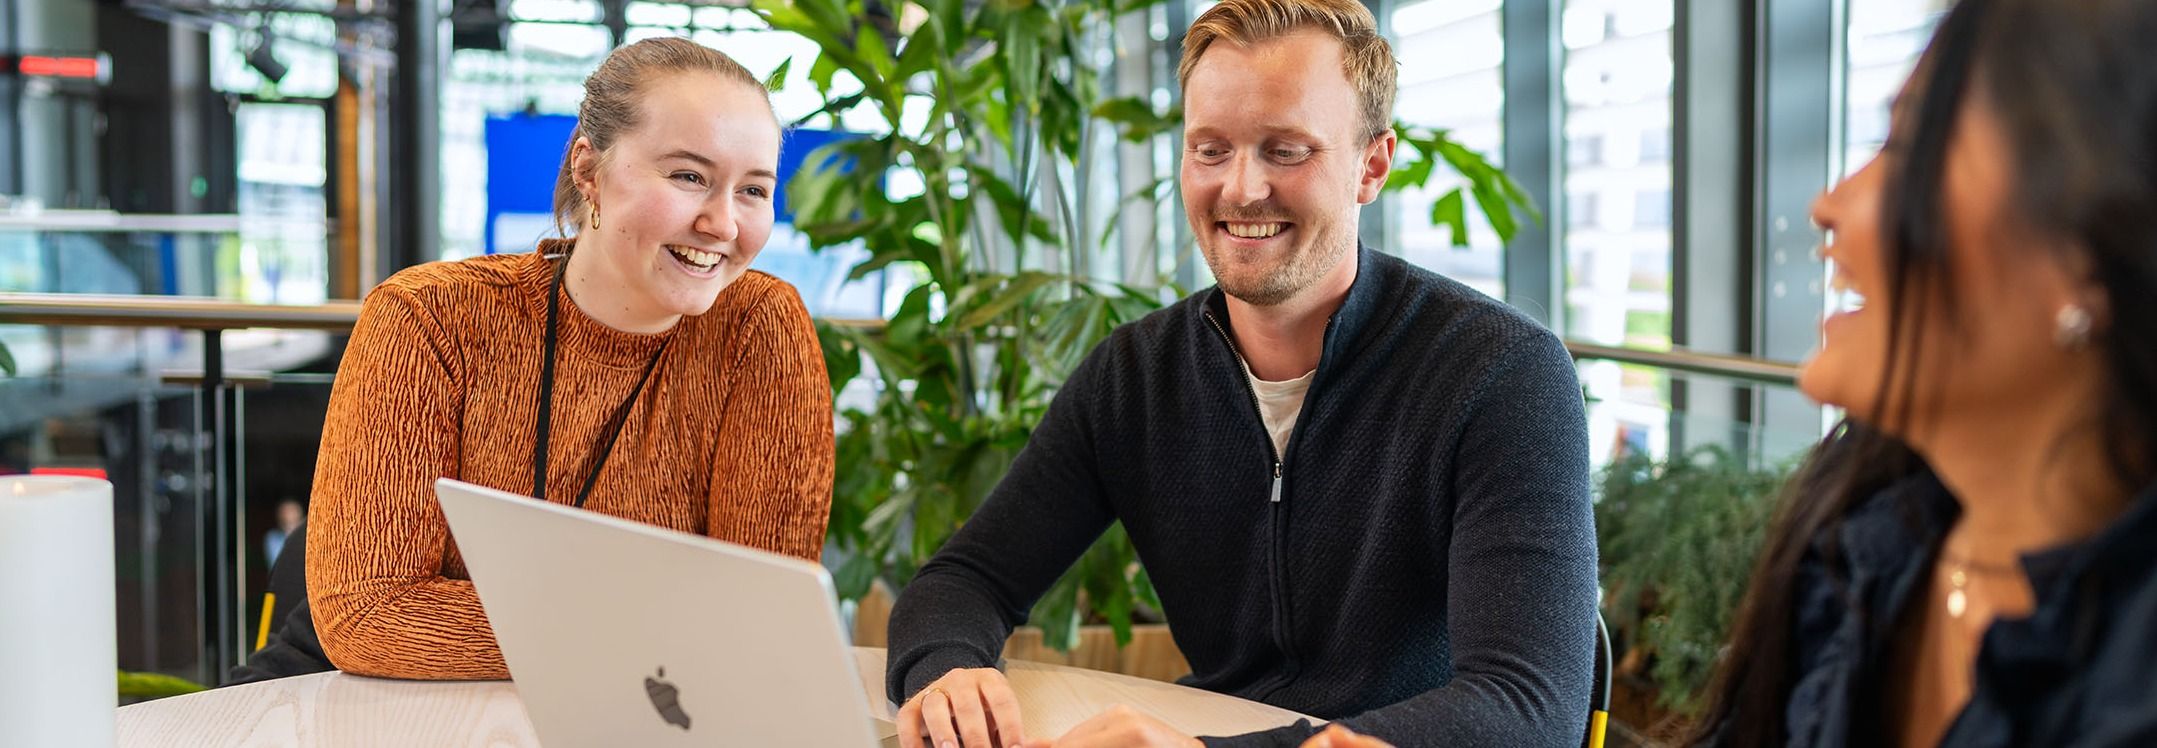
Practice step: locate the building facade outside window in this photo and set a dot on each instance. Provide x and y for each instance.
(1616, 86)
(1451, 54)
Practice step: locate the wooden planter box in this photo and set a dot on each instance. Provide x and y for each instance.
(1152, 653)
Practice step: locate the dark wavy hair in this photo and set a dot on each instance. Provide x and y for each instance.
(2073, 84)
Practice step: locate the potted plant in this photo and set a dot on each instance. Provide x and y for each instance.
(1677, 539)
(1002, 307)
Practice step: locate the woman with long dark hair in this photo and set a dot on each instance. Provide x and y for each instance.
(1971, 557)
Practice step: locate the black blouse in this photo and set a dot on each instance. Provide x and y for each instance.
(2081, 670)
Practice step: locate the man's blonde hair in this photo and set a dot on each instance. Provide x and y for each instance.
(1366, 58)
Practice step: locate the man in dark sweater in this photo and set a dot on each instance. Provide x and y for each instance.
(1361, 489)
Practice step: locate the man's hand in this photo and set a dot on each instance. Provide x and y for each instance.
(968, 708)
(1121, 727)
(1337, 736)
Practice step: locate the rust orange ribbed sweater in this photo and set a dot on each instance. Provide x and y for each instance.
(732, 439)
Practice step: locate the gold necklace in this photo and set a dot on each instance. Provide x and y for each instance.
(1958, 581)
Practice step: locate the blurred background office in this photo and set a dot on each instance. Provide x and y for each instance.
(193, 193)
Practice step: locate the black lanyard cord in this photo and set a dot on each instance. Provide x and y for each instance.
(546, 401)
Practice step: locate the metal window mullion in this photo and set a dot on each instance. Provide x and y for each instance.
(1798, 103)
(1532, 116)
(1712, 226)
(1375, 224)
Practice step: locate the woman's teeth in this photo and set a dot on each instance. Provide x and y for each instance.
(1254, 230)
(695, 257)
(1850, 297)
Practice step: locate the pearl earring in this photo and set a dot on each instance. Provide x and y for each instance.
(2071, 327)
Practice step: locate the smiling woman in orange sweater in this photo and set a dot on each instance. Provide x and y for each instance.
(636, 369)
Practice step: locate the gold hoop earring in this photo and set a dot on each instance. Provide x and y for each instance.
(595, 217)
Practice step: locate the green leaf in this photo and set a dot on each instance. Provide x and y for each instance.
(7, 360)
(1060, 115)
(869, 45)
(918, 54)
(997, 117)
(1129, 109)
(154, 685)
(1142, 587)
(1151, 193)
(829, 16)
(1450, 210)
(1057, 613)
(1019, 49)
(821, 72)
(776, 82)
(1484, 184)
(1018, 216)
(909, 325)
(1020, 287)
(854, 577)
(1135, 119)
(1519, 197)
(1415, 174)
(842, 357)
(1498, 211)
(950, 16)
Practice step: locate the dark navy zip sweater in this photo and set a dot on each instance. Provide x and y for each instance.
(1426, 573)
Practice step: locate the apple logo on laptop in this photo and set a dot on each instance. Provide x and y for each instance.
(667, 699)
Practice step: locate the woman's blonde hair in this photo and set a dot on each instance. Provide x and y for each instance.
(1367, 59)
(611, 99)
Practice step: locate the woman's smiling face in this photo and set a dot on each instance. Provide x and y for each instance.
(684, 198)
(1974, 335)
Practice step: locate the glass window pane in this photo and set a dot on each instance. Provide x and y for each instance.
(1451, 55)
(1884, 40)
(1616, 242)
(657, 14)
(570, 11)
(284, 245)
(560, 40)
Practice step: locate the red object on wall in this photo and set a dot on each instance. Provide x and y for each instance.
(59, 67)
(98, 473)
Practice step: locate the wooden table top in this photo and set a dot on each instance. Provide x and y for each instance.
(335, 709)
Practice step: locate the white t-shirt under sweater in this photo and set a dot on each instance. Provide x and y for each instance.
(1278, 404)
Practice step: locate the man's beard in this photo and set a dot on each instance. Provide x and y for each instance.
(1301, 268)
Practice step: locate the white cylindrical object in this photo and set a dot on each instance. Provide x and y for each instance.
(57, 634)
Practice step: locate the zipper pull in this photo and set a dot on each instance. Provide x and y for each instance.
(1276, 482)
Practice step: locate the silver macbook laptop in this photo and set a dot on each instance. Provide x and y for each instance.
(619, 633)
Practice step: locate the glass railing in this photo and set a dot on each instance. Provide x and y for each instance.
(1660, 403)
(192, 559)
(209, 256)
(206, 417)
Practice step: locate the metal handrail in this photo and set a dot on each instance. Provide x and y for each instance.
(1734, 367)
(213, 314)
(93, 221)
(171, 311)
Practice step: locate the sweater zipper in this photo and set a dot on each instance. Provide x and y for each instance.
(1275, 561)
